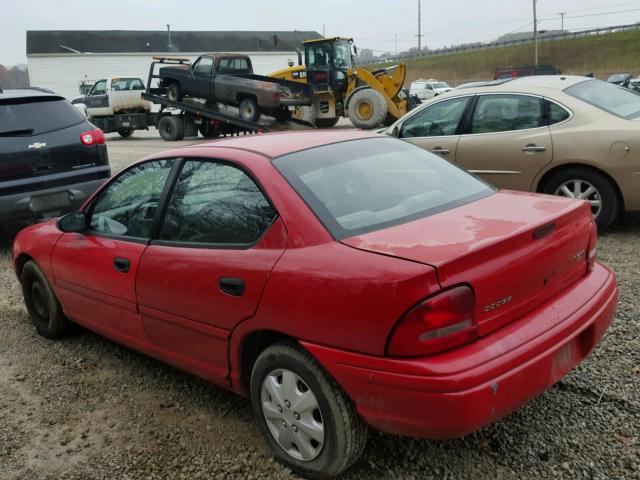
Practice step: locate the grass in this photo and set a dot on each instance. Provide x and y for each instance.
(601, 54)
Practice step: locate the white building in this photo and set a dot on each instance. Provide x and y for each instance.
(62, 60)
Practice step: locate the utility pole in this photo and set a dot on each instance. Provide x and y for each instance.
(562, 14)
(396, 38)
(535, 31)
(323, 32)
(419, 28)
(169, 34)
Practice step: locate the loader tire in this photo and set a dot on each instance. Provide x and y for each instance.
(367, 109)
(325, 122)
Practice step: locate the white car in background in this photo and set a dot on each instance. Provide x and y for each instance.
(426, 89)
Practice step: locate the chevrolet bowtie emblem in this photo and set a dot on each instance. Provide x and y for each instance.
(37, 145)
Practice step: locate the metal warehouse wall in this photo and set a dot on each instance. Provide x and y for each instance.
(63, 73)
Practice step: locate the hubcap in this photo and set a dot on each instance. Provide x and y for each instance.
(582, 190)
(38, 299)
(247, 111)
(293, 415)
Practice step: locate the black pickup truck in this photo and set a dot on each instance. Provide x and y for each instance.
(228, 79)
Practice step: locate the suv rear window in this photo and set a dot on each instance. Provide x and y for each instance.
(34, 116)
(608, 97)
(365, 185)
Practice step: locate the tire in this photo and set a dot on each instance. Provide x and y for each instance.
(344, 435)
(171, 128)
(325, 122)
(125, 132)
(367, 109)
(174, 92)
(43, 306)
(282, 115)
(209, 131)
(604, 192)
(249, 109)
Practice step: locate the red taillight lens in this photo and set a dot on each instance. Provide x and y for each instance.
(321, 76)
(441, 322)
(92, 137)
(592, 250)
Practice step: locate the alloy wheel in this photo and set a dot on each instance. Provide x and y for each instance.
(582, 190)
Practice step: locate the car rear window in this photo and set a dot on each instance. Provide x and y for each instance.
(34, 116)
(365, 185)
(611, 98)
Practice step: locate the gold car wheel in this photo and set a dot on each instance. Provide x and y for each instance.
(582, 190)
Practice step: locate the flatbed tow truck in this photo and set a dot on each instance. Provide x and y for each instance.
(177, 119)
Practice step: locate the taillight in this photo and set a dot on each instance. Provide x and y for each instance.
(439, 323)
(92, 137)
(592, 250)
(321, 76)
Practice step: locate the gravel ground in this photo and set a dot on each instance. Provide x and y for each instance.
(87, 408)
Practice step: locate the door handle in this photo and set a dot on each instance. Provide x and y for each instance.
(121, 264)
(231, 286)
(441, 151)
(533, 149)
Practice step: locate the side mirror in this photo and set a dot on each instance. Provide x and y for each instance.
(396, 131)
(75, 222)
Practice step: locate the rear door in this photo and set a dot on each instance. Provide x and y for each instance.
(436, 127)
(507, 141)
(95, 271)
(218, 242)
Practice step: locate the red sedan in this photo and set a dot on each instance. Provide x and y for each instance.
(339, 279)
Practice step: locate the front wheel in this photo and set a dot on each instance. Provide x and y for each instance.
(43, 306)
(309, 422)
(585, 184)
(125, 132)
(367, 108)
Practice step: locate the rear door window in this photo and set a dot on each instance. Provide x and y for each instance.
(505, 113)
(218, 204)
(35, 116)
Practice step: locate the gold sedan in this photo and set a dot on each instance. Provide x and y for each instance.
(563, 135)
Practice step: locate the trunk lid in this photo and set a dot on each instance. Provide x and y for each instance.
(516, 250)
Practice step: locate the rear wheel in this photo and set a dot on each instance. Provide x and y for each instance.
(249, 109)
(208, 130)
(42, 305)
(367, 108)
(282, 115)
(586, 184)
(325, 122)
(125, 132)
(174, 92)
(171, 128)
(307, 419)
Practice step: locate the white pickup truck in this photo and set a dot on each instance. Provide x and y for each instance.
(112, 102)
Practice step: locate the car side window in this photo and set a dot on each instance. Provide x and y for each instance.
(505, 113)
(216, 203)
(128, 205)
(100, 88)
(557, 114)
(436, 120)
(204, 65)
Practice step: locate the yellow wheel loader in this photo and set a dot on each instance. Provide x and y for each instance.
(369, 98)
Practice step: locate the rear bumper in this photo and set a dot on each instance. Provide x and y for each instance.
(46, 202)
(455, 393)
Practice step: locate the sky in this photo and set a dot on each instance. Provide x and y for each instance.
(375, 24)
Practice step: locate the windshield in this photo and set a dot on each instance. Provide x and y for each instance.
(37, 115)
(365, 185)
(608, 97)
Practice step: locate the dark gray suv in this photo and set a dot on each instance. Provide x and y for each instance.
(51, 157)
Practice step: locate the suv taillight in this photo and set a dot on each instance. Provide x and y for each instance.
(439, 323)
(592, 250)
(92, 137)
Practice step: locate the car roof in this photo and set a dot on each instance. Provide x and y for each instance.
(530, 84)
(282, 143)
(27, 93)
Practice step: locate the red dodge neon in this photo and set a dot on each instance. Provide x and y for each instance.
(337, 278)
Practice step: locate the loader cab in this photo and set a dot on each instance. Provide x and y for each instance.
(328, 62)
